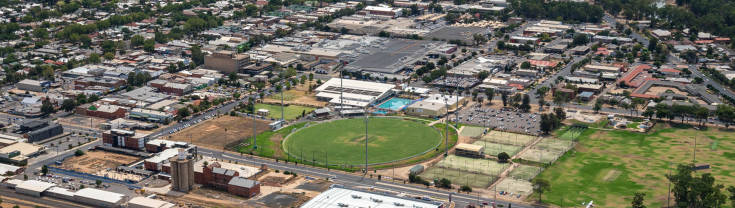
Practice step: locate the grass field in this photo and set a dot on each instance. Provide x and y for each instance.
(470, 131)
(494, 149)
(508, 138)
(610, 166)
(525, 172)
(269, 143)
(458, 177)
(484, 166)
(343, 141)
(291, 111)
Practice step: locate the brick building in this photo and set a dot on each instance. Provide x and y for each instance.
(226, 61)
(101, 111)
(108, 82)
(243, 187)
(123, 139)
(215, 176)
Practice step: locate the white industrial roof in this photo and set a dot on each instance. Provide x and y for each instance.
(165, 155)
(146, 202)
(339, 197)
(100, 195)
(38, 186)
(4, 168)
(61, 191)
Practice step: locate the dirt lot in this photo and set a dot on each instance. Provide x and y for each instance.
(296, 97)
(93, 161)
(211, 133)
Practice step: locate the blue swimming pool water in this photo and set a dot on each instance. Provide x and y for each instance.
(394, 104)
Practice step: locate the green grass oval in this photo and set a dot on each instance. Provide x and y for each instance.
(343, 141)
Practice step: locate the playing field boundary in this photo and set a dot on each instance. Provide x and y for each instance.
(283, 143)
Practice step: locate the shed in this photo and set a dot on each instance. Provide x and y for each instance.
(470, 150)
(322, 112)
(33, 187)
(142, 202)
(263, 112)
(99, 198)
(418, 169)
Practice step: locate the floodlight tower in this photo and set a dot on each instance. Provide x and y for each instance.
(446, 132)
(366, 142)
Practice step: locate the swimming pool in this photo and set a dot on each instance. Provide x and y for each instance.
(380, 112)
(395, 104)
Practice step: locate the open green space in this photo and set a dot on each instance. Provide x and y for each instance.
(290, 112)
(553, 144)
(493, 149)
(570, 133)
(610, 166)
(633, 125)
(342, 142)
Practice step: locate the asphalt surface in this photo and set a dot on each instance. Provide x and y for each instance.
(491, 117)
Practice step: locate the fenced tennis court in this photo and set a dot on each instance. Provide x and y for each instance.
(543, 156)
(553, 144)
(508, 138)
(572, 132)
(474, 165)
(515, 186)
(525, 172)
(460, 178)
(471, 131)
(493, 149)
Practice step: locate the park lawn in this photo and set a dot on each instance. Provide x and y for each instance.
(610, 166)
(633, 125)
(291, 111)
(342, 141)
(269, 143)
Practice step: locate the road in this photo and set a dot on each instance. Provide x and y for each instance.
(356, 181)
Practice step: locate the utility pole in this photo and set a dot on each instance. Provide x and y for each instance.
(668, 200)
(446, 132)
(366, 143)
(255, 131)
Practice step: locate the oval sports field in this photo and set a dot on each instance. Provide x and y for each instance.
(342, 142)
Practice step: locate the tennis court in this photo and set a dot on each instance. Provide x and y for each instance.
(572, 133)
(544, 156)
(515, 186)
(553, 144)
(508, 138)
(493, 149)
(474, 165)
(460, 178)
(525, 172)
(471, 131)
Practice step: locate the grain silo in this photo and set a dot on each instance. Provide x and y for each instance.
(182, 172)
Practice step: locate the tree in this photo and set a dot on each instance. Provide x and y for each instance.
(504, 96)
(503, 157)
(693, 191)
(649, 113)
(540, 186)
(68, 105)
(137, 40)
(445, 183)
(25, 176)
(638, 200)
(98, 182)
(597, 107)
(525, 65)
(465, 188)
(526, 104)
(702, 114)
(44, 169)
(482, 75)
(46, 107)
(94, 58)
(183, 113)
(725, 113)
(580, 39)
(109, 56)
(78, 153)
(82, 187)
